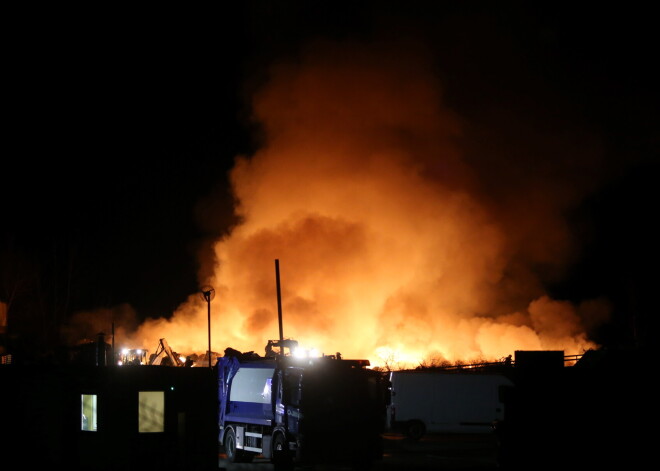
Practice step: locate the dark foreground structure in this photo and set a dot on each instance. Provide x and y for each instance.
(108, 418)
(593, 415)
(598, 413)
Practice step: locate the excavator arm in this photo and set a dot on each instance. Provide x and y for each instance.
(164, 348)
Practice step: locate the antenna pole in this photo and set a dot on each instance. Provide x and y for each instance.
(279, 302)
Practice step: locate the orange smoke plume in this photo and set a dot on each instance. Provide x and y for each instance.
(395, 244)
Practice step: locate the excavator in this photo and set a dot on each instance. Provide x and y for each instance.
(165, 356)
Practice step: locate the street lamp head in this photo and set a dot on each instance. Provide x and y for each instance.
(207, 293)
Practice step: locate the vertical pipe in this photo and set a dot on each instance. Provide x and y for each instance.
(114, 360)
(100, 350)
(279, 303)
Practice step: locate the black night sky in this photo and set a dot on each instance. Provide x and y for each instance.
(121, 126)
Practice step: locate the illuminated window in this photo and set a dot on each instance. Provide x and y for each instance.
(88, 412)
(151, 411)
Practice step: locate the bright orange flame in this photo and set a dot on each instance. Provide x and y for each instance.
(390, 246)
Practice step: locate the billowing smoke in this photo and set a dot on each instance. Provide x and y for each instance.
(398, 239)
(85, 326)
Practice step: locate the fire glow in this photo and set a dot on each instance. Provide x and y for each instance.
(394, 245)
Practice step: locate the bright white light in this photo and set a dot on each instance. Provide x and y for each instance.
(300, 352)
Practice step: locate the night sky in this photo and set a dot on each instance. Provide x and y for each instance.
(120, 128)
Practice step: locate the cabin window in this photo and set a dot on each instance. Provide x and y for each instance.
(151, 411)
(292, 381)
(88, 412)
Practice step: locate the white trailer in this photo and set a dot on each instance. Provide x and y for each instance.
(444, 402)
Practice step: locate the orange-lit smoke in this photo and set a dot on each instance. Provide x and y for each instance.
(393, 244)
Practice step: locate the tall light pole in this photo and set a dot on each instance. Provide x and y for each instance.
(208, 293)
(279, 302)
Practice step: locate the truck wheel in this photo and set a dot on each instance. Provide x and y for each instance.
(415, 430)
(282, 458)
(233, 454)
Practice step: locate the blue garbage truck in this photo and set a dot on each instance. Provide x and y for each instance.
(295, 411)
